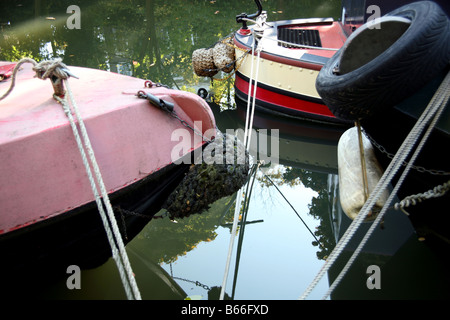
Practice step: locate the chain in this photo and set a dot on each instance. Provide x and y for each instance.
(187, 125)
(151, 84)
(436, 192)
(225, 41)
(164, 106)
(123, 213)
(415, 167)
(197, 283)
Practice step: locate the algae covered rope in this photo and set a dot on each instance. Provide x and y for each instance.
(217, 176)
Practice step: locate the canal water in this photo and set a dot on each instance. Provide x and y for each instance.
(294, 218)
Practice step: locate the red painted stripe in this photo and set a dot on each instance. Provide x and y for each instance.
(283, 100)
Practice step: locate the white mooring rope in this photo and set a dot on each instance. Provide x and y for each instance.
(44, 70)
(431, 113)
(247, 140)
(112, 231)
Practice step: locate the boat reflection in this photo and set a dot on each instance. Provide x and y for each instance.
(162, 243)
(302, 144)
(394, 247)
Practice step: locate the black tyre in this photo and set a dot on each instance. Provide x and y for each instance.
(395, 71)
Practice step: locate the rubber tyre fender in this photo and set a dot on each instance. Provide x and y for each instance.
(420, 53)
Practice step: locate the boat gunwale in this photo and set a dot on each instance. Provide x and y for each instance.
(183, 102)
(313, 59)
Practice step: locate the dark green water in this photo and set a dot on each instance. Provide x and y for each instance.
(279, 257)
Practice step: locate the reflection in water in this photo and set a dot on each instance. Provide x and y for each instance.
(154, 39)
(307, 158)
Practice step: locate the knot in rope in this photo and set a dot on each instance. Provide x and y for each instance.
(54, 70)
(49, 68)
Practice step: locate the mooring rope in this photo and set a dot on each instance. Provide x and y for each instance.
(390, 199)
(435, 110)
(431, 113)
(14, 74)
(255, 87)
(55, 67)
(109, 221)
(247, 118)
(247, 140)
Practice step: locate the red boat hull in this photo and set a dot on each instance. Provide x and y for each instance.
(287, 74)
(48, 215)
(131, 138)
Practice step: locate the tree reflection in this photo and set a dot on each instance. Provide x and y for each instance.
(172, 239)
(154, 39)
(319, 206)
(150, 39)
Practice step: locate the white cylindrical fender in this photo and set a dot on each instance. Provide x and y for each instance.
(351, 183)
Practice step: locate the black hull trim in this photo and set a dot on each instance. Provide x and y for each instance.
(42, 252)
(429, 218)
